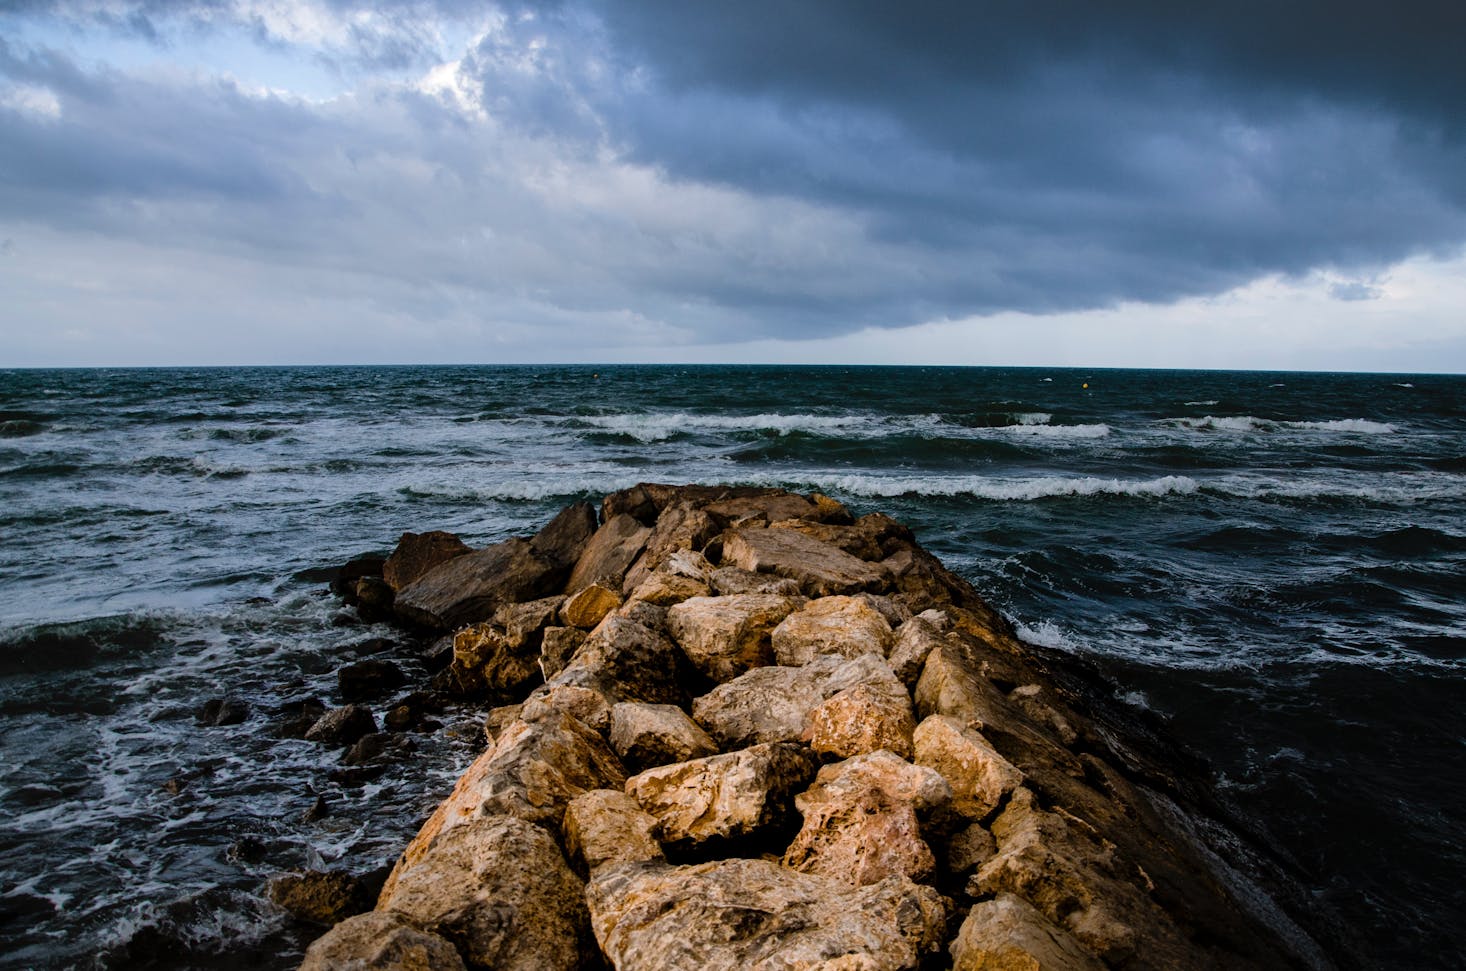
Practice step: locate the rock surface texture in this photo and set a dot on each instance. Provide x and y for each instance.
(742, 728)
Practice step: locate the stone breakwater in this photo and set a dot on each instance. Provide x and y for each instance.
(741, 728)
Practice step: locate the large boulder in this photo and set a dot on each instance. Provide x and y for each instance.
(729, 580)
(324, 897)
(913, 644)
(589, 605)
(469, 588)
(865, 718)
(607, 826)
(650, 735)
(980, 778)
(609, 554)
(486, 660)
(1007, 933)
(501, 891)
(848, 626)
(418, 553)
(628, 661)
(725, 636)
(563, 540)
(732, 915)
(819, 568)
(381, 941)
(680, 527)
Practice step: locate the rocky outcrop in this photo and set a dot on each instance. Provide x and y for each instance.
(741, 728)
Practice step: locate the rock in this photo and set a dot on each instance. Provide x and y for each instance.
(846, 626)
(485, 660)
(681, 527)
(725, 636)
(915, 640)
(857, 542)
(564, 539)
(980, 778)
(376, 747)
(819, 568)
(723, 796)
(372, 678)
(324, 897)
(557, 646)
(649, 735)
(608, 555)
(469, 588)
(628, 661)
(665, 589)
(295, 718)
(731, 915)
(773, 704)
(607, 826)
(524, 623)
(373, 599)
(380, 941)
(769, 508)
(968, 849)
(646, 614)
(222, 711)
(589, 606)
(633, 502)
(950, 685)
(1006, 934)
(865, 718)
(588, 705)
(342, 726)
(319, 809)
(417, 553)
(500, 890)
(729, 580)
(860, 820)
(499, 719)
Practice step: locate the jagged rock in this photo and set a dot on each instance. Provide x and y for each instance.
(680, 527)
(665, 589)
(830, 510)
(607, 826)
(646, 614)
(324, 897)
(769, 508)
(219, 712)
(381, 941)
(469, 588)
(864, 718)
(589, 705)
(418, 553)
(914, 642)
(484, 659)
(726, 636)
(847, 626)
(732, 915)
(501, 891)
(1030, 699)
(950, 685)
(499, 719)
(980, 778)
(857, 542)
(364, 680)
(649, 735)
(970, 848)
(295, 718)
(723, 796)
(557, 646)
(819, 568)
(563, 540)
(729, 580)
(860, 820)
(629, 662)
(634, 502)
(376, 747)
(372, 598)
(773, 704)
(524, 623)
(1006, 934)
(589, 606)
(609, 554)
(342, 726)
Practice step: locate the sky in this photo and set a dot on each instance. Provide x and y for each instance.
(1135, 184)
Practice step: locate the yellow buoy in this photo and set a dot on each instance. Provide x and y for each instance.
(1085, 385)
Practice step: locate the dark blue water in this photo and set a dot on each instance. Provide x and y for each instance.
(1273, 562)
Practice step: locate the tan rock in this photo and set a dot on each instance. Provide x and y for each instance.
(681, 527)
(726, 636)
(557, 646)
(819, 568)
(649, 735)
(1007, 934)
(609, 554)
(524, 623)
(769, 508)
(628, 661)
(830, 510)
(417, 553)
(951, 685)
(589, 606)
(723, 796)
(469, 588)
(753, 915)
(968, 849)
(607, 826)
(588, 705)
(861, 719)
(914, 642)
(847, 626)
(856, 542)
(483, 656)
(664, 588)
(499, 889)
(980, 778)
(380, 941)
(729, 580)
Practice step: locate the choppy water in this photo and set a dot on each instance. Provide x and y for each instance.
(1274, 562)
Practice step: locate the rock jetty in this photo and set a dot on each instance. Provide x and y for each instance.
(742, 728)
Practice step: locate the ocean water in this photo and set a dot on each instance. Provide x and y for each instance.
(1273, 563)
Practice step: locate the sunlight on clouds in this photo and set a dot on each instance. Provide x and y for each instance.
(31, 99)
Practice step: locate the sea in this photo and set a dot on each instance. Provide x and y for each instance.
(1271, 564)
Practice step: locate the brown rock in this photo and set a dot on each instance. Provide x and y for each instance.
(856, 542)
(980, 778)
(969, 849)
(865, 718)
(589, 606)
(469, 588)
(586, 704)
(770, 508)
(819, 568)
(557, 646)
(847, 626)
(524, 623)
(664, 588)
(484, 659)
(500, 890)
(726, 636)
(323, 897)
(680, 527)
(564, 539)
(342, 726)
(609, 554)
(628, 661)
(649, 735)
(417, 553)
(951, 685)
(1006, 934)
(723, 796)
(371, 678)
(914, 642)
(729, 580)
(381, 941)
(607, 826)
(732, 915)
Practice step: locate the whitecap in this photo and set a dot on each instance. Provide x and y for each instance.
(1002, 489)
(1356, 426)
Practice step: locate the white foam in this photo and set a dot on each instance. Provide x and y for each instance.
(1201, 404)
(1048, 634)
(1031, 418)
(661, 426)
(1248, 423)
(1015, 489)
(1356, 426)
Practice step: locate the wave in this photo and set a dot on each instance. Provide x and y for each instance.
(1011, 490)
(1248, 423)
(665, 426)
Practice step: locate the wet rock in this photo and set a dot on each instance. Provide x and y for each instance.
(731, 915)
(865, 718)
(222, 711)
(1006, 932)
(609, 554)
(377, 747)
(410, 711)
(501, 891)
(649, 735)
(563, 541)
(373, 599)
(319, 809)
(860, 820)
(607, 826)
(485, 659)
(980, 778)
(725, 636)
(724, 796)
(324, 897)
(365, 680)
(343, 579)
(914, 642)
(381, 941)
(847, 626)
(295, 718)
(589, 606)
(819, 568)
(342, 726)
(729, 580)
(417, 553)
(469, 588)
(557, 646)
